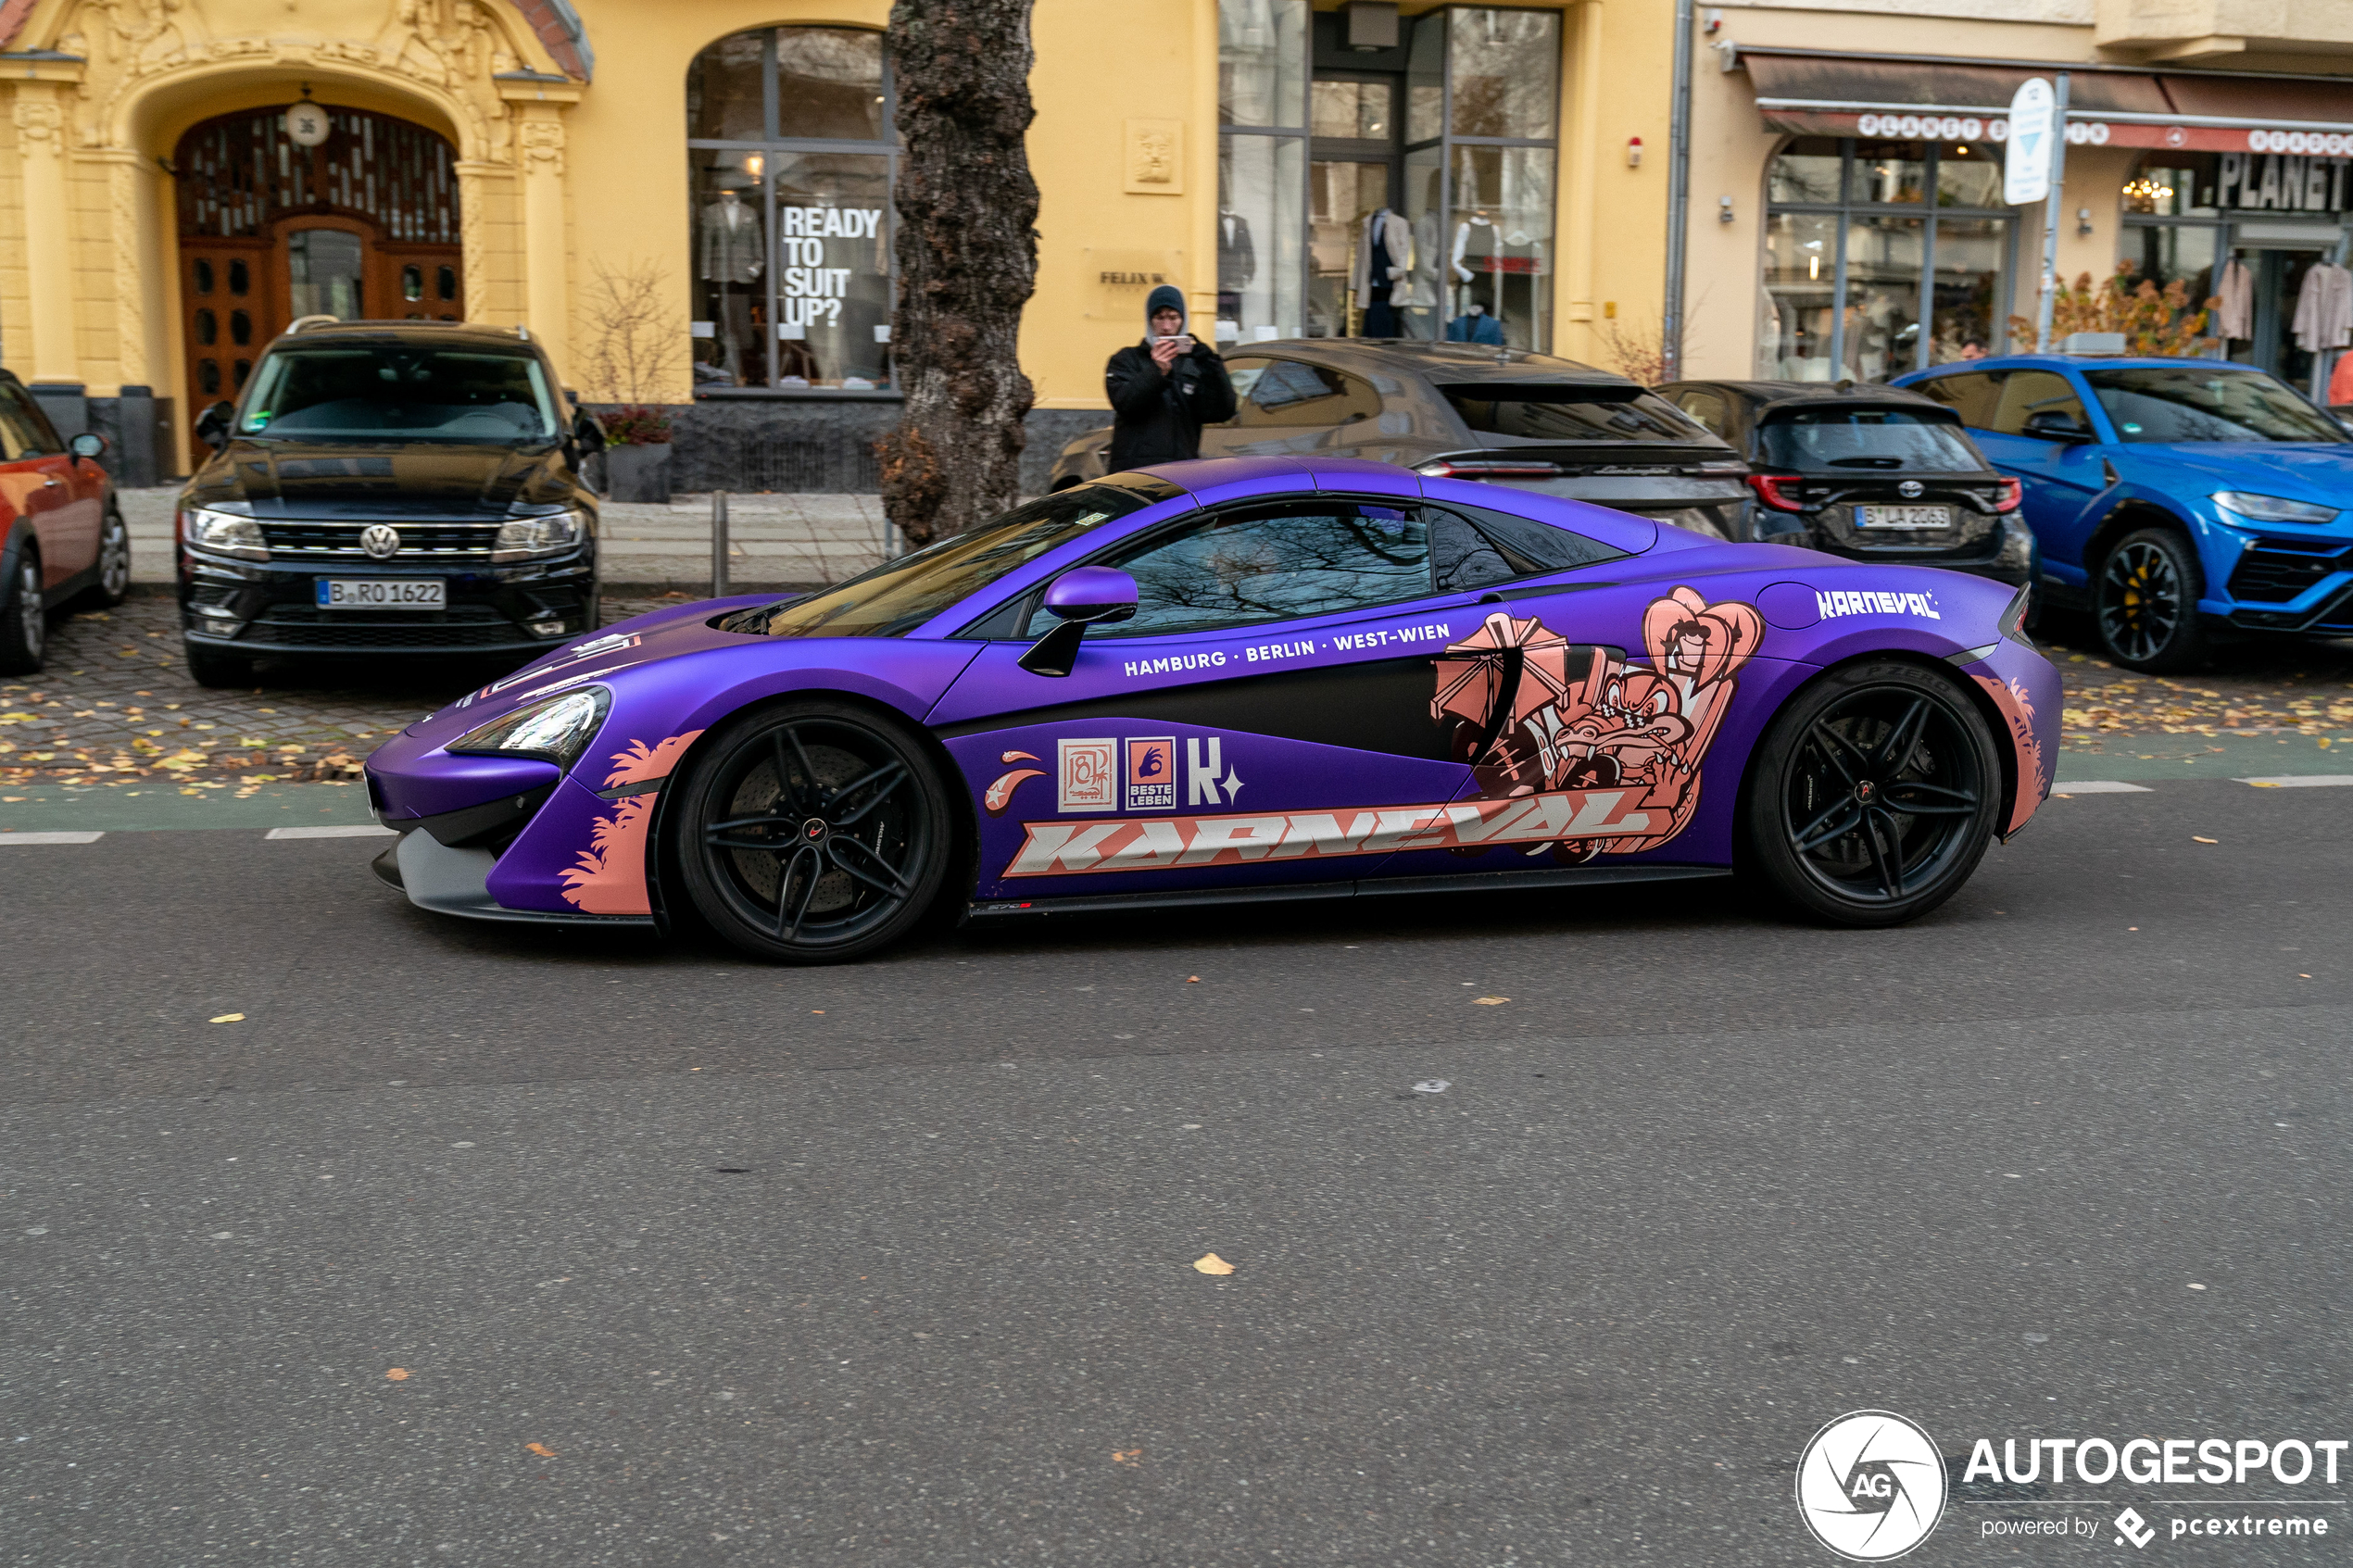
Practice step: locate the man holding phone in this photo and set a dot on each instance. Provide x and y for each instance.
(1165, 389)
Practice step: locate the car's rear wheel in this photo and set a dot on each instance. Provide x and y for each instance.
(24, 616)
(814, 833)
(1873, 795)
(2146, 601)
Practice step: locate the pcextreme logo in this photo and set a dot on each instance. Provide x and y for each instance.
(1870, 1485)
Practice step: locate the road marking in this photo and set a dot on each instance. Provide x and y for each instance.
(2098, 786)
(368, 830)
(50, 837)
(2302, 781)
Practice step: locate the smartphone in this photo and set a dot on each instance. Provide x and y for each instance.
(1184, 342)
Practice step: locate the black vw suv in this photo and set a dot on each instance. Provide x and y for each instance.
(386, 489)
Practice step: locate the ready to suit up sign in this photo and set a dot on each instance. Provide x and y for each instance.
(816, 259)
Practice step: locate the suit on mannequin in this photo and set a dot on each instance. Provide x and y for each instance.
(1237, 262)
(1384, 257)
(734, 254)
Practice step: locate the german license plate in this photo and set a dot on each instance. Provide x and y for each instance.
(1904, 518)
(383, 593)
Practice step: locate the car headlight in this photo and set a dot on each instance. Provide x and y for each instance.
(522, 537)
(224, 534)
(556, 729)
(2272, 508)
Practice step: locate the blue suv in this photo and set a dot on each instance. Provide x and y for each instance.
(2175, 499)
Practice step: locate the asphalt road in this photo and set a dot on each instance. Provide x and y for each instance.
(475, 1246)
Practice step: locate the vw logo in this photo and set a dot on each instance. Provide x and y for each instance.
(382, 542)
(1910, 489)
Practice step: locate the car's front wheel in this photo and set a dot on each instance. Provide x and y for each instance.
(1873, 795)
(24, 616)
(813, 833)
(2146, 601)
(113, 585)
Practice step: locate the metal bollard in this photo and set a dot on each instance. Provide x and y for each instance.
(719, 543)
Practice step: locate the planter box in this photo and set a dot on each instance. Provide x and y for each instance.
(639, 473)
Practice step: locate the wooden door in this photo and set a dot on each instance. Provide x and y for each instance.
(230, 302)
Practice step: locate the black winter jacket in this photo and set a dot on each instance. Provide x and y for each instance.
(1157, 419)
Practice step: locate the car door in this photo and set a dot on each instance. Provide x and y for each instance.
(39, 481)
(1265, 717)
(2061, 480)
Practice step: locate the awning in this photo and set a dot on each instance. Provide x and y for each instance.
(1811, 93)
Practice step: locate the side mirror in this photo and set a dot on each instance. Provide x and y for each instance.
(1088, 595)
(89, 444)
(212, 425)
(2056, 424)
(587, 432)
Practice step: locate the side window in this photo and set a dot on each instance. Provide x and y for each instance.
(1708, 407)
(1244, 374)
(1974, 394)
(24, 427)
(1479, 546)
(1290, 393)
(2027, 393)
(1272, 562)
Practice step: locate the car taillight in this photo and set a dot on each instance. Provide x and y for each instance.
(1777, 491)
(1448, 467)
(2006, 494)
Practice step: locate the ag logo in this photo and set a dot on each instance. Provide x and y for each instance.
(1870, 1485)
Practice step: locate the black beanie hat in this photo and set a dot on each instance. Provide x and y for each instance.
(1167, 296)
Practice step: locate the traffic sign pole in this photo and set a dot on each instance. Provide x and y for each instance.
(2048, 300)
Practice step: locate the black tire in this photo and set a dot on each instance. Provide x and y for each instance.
(24, 613)
(2144, 602)
(210, 666)
(765, 824)
(113, 585)
(1873, 796)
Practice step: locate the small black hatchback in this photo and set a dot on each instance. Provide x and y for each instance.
(1869, 472)
(389, 489)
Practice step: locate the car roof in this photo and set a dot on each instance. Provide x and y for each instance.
(1432, 361)
(1777, 393)
(403, 331)
(2079, 362)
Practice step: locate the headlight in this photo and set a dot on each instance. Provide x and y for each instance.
(224, 534)
(557, 728)
(519, 538)
(2272, 508)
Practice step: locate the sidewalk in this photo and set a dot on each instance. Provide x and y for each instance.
(778, 541)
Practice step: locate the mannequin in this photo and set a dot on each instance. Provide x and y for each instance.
(733, 251)
(1384, 255)
(1237, 262)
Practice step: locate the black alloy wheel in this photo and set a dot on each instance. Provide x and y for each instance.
(113, 585)
(1873, 796)
(24, 615)
(2146, 602)
(815, 833)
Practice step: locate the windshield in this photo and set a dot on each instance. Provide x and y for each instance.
(394, 392)
(1847, 440)
(2203, 403)
(899, 596)
(1575, 414)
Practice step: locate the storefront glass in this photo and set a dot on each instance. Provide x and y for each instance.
(1262, 168)
(790, 169)
(1503, 72)
(1883, 258)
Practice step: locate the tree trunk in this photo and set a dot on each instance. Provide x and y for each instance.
(967, 258)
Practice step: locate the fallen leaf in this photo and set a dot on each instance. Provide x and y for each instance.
(398, 1374)
(1488, 1001)
(1192, 980)
(231, 1018)
(1211, 1263)
(541, 1450)
(1128, 1456)
(2195, 839)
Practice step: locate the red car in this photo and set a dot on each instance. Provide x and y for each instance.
(66, 541)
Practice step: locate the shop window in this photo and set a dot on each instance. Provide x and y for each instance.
(1882, 257)
(790, 160)
(202, 272)
(1262, 167)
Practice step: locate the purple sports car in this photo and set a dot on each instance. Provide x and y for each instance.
(1241, 679)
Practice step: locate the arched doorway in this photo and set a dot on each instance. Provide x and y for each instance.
(364, 225)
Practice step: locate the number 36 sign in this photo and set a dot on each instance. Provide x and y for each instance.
(306, 124)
